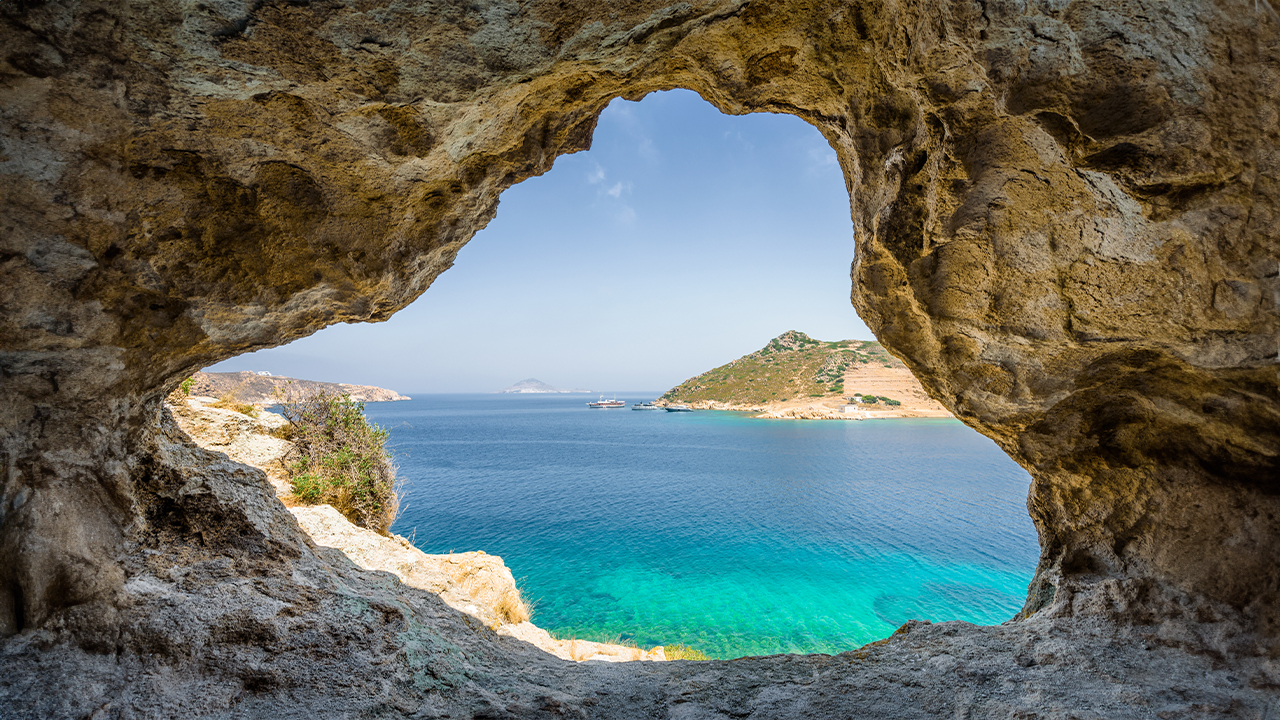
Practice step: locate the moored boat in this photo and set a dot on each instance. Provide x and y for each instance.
(646, 406)
(602, 403)
(679, 408)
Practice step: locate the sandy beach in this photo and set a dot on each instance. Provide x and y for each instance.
(861, 379)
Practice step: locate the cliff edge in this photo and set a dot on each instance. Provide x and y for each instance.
(475, 583)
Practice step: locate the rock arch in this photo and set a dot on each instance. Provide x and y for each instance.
(1065, 217)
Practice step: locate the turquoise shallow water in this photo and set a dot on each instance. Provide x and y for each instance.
(735, 535)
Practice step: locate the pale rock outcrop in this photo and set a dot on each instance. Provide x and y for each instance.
(1065, 216)
(244, 438)
(475, 583)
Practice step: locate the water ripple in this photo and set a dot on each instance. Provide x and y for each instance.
(734, 535)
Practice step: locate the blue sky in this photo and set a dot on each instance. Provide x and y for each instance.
(683, 239)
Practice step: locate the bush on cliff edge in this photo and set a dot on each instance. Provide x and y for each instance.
(338, 458)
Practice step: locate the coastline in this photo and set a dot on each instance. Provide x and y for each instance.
(797, 378)
(475, 583)
(828, 408)
(823, 409)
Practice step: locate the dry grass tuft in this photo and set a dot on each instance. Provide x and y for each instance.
(513, 607)
(231, 401)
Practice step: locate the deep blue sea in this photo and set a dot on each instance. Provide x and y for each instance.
(734, 535)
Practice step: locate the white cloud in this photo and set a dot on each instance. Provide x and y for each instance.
(627, 215)
(647, 150)
(596, 176)
(616, 190)
(736, 135)
(822, 156)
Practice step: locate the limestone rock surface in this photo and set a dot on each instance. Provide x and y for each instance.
(1065, 216)
(243, 438)
(474, 583)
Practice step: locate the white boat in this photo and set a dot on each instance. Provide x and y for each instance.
(602, 403)
(679, 408)
(646, 406)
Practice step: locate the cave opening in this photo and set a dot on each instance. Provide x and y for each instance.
(1066, 227)
(683, 239)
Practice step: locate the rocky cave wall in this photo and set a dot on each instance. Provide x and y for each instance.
(1065, 216)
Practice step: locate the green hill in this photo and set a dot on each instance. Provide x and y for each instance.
(792, 365)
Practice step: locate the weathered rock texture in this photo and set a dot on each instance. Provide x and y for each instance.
(1066, 217)
(474, 583)
(248, 439)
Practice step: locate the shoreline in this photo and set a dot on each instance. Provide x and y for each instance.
(823, 409)
(800, 387)
(474, 582)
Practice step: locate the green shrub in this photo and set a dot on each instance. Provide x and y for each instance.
(887, 401)
(339, 458)
(185, 385)
(870, 399)
(683, 652)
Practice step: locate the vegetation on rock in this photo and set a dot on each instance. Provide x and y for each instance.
(790, 365)
(340, 459)
(683, 652)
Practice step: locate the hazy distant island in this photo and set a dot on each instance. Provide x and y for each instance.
(259, 388)
(533, 385)
(798, 377)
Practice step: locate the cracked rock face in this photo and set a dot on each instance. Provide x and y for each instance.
(1065, 213)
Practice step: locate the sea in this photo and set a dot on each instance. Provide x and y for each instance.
(730, 534)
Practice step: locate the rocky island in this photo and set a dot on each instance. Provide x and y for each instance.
(533, 385)
(797, 377)
(1065, 220)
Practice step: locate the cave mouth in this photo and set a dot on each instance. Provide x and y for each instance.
(1065, 226)
(683, 231)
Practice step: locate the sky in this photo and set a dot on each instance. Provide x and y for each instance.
(682, 240)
